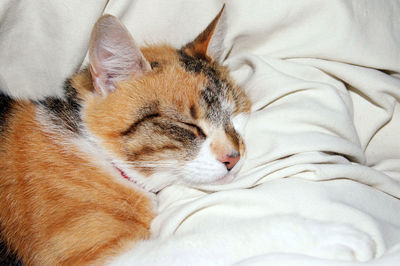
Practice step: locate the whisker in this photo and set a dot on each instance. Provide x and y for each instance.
(165, 165)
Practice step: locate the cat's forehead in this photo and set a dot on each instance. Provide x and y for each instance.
(203, 85)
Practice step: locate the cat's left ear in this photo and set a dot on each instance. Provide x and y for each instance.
(113, 55)
(209, 44)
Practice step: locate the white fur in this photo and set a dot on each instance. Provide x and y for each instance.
(205, 168)
(162, 177)
(92, 145)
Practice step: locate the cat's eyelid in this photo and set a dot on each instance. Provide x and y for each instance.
(199, 129)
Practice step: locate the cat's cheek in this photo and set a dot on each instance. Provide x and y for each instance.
(204, 168)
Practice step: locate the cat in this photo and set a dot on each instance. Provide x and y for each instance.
(79, 173)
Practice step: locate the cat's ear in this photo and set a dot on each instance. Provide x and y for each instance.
(209, 44)
(113, 55)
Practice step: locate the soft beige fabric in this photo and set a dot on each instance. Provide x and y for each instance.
(322, 139)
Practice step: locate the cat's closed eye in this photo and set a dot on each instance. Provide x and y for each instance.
(136, 121)
(197, 129)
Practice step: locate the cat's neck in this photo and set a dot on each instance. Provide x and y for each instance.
(92, 149)
(62, 117)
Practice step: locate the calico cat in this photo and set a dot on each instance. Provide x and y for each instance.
(78, 173)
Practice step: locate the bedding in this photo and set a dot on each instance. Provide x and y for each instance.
(320, 182)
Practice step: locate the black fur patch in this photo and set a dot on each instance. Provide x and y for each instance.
(199, 65)
(154, 64)
(191, 64)
(134, 126)
(7, 258)
(65, 112)
(174, 131)
(213, 100)
(193, 111)
(5, 110)
(217, 87)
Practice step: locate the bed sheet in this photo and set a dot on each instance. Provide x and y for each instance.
(320, 180)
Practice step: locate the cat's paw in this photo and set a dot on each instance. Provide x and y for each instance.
(343, 242)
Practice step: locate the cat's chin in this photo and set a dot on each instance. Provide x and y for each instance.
(228, 177)
(202, 171)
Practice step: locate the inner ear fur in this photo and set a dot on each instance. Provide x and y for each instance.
(113, 55)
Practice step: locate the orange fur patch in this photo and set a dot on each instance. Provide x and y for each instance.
(57, 208)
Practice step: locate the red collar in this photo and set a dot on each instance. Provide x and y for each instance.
(123, 174)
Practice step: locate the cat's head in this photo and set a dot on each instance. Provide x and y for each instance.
(163, 114)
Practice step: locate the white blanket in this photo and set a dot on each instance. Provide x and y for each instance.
(321, 175)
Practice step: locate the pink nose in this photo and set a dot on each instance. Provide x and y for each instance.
(230, 160)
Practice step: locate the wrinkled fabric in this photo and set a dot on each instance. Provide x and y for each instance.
(322, 138)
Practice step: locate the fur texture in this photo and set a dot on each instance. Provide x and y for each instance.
(77, 172)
